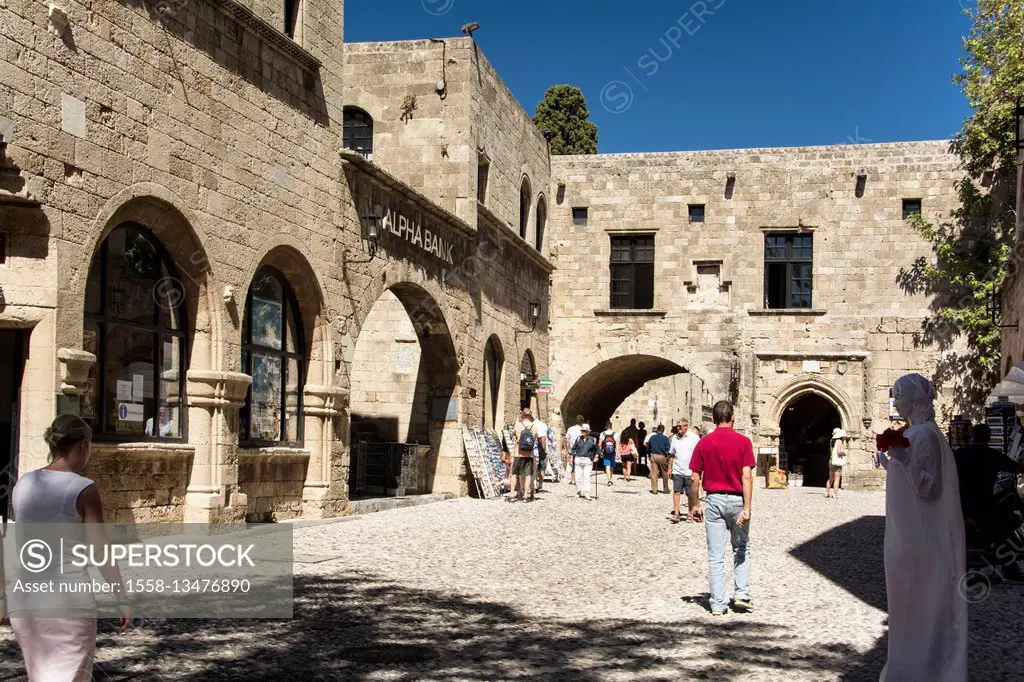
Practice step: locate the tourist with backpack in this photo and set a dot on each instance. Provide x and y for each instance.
(608, 446)
(523, 469)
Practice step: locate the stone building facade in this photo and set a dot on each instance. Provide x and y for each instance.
(203, 259)
(246, 251)
(715, 235)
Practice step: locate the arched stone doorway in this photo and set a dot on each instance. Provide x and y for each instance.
(597, 394)
(528, 382)
(403, 379)
(804, 431)
(493, 403)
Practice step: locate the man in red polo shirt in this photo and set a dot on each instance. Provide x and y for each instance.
(723, 462)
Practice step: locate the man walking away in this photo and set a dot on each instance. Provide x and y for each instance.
(659, 447)
(522, 466)
(724, 462)
(584, 455)
(683, 443)
(641, 440)
(573, 434)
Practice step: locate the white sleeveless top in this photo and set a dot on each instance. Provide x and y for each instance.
(47, 496)
(44, 496)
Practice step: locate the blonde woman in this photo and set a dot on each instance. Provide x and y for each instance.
(836, 462)
(58, 639)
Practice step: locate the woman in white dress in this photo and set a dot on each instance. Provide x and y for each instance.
(58, 640)
(925, 557)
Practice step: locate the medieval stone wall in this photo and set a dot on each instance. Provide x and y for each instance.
(709, 312)
(220, 135)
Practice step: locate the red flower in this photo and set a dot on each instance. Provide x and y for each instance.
(891, 438)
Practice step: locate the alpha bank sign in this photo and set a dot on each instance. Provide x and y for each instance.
(412, 230)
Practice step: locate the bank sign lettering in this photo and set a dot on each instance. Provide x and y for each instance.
(413, 232)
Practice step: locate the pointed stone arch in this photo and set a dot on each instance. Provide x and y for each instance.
(813, 383)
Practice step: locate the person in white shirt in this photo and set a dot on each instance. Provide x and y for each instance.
(540, 454)
(572, 435)
(683, 443)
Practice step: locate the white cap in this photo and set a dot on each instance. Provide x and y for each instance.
(838, 433)
(585, 427)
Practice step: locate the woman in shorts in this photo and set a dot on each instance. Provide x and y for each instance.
(627, 454)
(836, 462)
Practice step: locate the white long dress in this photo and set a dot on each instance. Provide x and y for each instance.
(925, 556)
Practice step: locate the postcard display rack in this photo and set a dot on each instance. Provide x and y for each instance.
(483, 448)
(1001, 419)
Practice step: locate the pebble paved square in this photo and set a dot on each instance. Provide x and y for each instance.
(562, 589)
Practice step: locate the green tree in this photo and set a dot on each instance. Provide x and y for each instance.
(564, 112)
(974, 247)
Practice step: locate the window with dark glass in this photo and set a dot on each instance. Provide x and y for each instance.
(483, 170)
(291, 17)
(911, 207)
(272, 354)
(134, 325)
(357, 132)
(632, 272)
(3, 248)
(579, 216)
(542, 221)
(525, 201)
(696, 213)
(788, 260)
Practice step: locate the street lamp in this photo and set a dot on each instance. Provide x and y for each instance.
(534, 316)
(370, 222)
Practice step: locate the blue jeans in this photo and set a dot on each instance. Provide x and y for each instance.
(720, 512)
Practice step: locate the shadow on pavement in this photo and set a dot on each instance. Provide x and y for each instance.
(358, 628)
(850, 556)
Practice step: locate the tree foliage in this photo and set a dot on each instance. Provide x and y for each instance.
(564, 112)
(973, 247)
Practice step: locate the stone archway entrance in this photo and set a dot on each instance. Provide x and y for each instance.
(404, 374)
(804, 432)
(598, 394)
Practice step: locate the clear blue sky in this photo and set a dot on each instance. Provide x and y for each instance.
(753, 74)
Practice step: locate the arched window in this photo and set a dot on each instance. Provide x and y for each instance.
(542, 221)
(525, 200)
(272, 354)
(357, 132)
(134, 324)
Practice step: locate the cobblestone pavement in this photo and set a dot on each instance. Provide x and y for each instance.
(562, 589)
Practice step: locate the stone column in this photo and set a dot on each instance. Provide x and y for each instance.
(322, 406)
(214, 398)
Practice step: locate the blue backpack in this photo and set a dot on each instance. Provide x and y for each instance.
(527, 439)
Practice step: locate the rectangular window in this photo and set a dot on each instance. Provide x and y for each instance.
(3, 248)
(910, 207)
(483, 170)
(579, 216)
(291, 17)
(632, 272)
(696, 213)
(787, 270)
